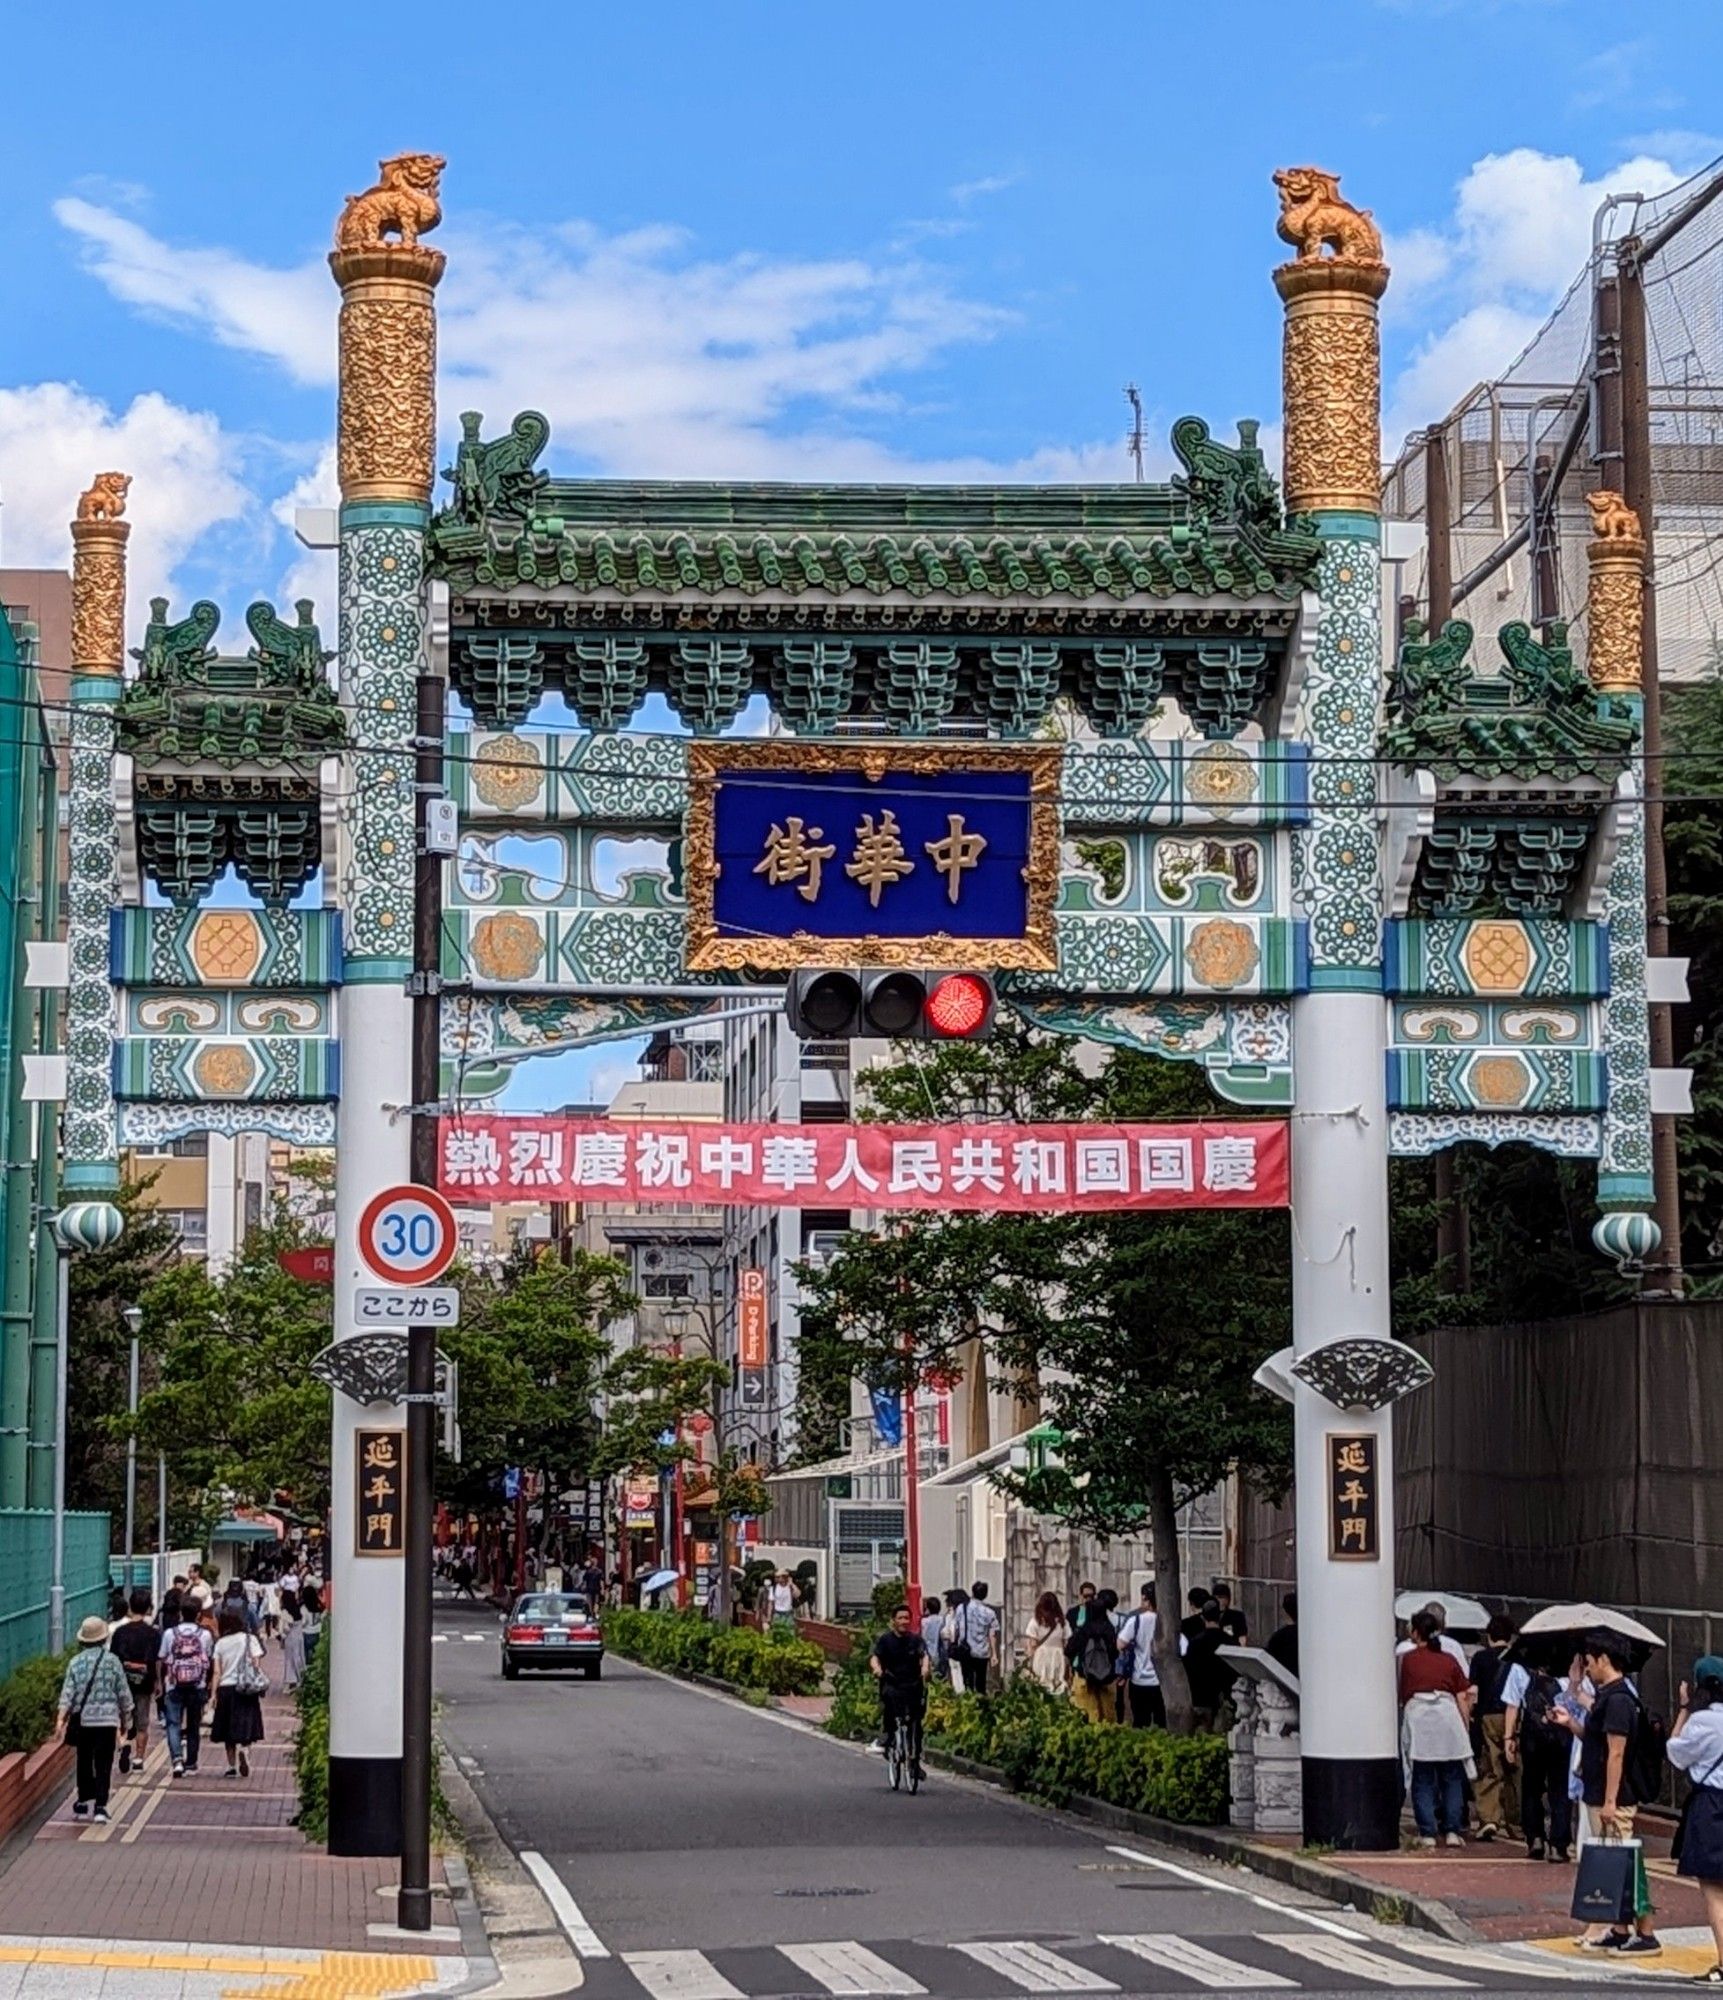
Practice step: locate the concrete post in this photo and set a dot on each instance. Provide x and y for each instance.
(386, 441)
(1340, 1285)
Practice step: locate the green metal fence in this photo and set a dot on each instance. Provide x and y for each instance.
(26, 1564)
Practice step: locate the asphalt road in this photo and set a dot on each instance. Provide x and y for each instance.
(704, 1850)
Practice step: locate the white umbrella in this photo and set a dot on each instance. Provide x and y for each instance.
(660, 1579)
(1463, 1614)
(1589, 1618)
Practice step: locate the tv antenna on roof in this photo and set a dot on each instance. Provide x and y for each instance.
(1134, 437)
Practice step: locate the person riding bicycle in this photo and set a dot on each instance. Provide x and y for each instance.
(900, 1663)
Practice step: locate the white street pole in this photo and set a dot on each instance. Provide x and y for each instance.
(57, 1580)
(161, 1525)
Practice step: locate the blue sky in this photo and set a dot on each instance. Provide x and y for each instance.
(772, 240)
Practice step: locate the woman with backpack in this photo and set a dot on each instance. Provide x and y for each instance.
(1696, 1747)
(238, 1684)
(1093, 1650)
(1535, 1740)
(95, 1705)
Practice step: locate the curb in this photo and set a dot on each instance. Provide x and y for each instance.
(518, 1914)
(1294, 1871)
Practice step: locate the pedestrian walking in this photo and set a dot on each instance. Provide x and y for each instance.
(1093, 1651)
(780, 1602)
(292, 1640)
(95, 1705)
(1044, 1644)
(238, 1684)
(185, 1655)
(1696, 1747)
(932, 1617)
(1142, 1678)
(1496, 1792)
(1452, 1647)
(952, 1639)
(1435, 1706)
(135, 1642)
(1536, 1742)
(1609, 1792)
(980, 1640)
(311, 1619)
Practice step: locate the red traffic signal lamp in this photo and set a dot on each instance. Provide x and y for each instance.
(895, 1006)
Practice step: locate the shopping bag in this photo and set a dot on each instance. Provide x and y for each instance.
(1604, 1888)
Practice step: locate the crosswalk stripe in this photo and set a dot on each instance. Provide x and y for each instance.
(1338, 1955)
(679, 1975)
(848, 1967)
(474, 1638)
(1036, 1969)
(1194, 1961)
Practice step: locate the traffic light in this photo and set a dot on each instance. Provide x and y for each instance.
(832, 1006)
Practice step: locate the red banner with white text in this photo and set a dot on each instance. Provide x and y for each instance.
(1217, 1163)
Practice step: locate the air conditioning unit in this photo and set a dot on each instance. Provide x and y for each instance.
(822, 1246)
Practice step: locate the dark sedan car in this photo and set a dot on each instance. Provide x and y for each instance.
(549, 1630)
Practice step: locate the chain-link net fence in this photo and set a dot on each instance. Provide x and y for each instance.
(1504, 443)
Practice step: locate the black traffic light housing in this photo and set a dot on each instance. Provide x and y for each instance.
(833, 1005)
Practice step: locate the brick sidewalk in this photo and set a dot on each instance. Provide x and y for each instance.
(207, 1861)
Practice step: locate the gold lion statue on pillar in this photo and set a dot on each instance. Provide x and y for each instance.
(106, 498)
(403, 203)
(1612, 519)
(1313, 214)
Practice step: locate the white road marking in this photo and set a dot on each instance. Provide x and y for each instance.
(1508, 1960)
(1036, 1969)
(1232, 1889)
(1350, 1957)
(439, 1638)
(581, 1935)
(680, 1975)
(1195, 1961)
(475, 1638)
(849, 1967)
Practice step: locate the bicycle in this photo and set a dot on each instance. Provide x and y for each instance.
(903, 1752)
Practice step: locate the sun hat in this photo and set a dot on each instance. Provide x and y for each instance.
(93, 1632)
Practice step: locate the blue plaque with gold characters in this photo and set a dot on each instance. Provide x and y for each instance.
(925, 854)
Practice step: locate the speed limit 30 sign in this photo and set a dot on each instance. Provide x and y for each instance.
(407, 1235)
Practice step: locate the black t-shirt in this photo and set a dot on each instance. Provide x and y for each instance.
(1283, 1646)
(1209, 1678)
(1232, 1623)
(135, 1645)
(1489, 1670)
(900, 1655)
(1614, 1712)
(1191, 1626)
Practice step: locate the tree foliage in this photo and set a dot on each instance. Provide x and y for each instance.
(1142, 1331)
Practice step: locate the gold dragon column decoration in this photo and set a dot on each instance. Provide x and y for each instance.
(89, 1139)
(1343, 1414)
(1615, 637)
(386, 446)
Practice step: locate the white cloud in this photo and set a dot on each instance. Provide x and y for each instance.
(649, 360)
(1482, 282)
(285, 315)
(967, 191)
(312, 572)
(54, 437)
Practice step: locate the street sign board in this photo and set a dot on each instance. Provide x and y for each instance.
(419, 1305)
(407, 1235)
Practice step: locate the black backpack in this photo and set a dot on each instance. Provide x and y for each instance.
(1538, 1719)
(1099, 1656)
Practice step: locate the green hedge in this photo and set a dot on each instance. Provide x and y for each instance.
(311, 1745)
(1042, 1745)
(30, 1701)
(683, 1642)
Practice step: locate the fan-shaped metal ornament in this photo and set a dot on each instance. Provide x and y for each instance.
(1360, 1373)
(372, 1367)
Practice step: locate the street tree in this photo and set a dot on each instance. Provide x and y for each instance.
(1138, 1334)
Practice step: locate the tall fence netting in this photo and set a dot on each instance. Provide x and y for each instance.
(1510, 432)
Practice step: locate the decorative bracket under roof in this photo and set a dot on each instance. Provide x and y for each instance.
(1523, 763)
(225, 751)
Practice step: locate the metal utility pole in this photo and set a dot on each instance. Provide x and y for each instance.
(1453, 1226)
(57, 1575)
(413, 1905)
(1623, 451)
(133, 1317)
